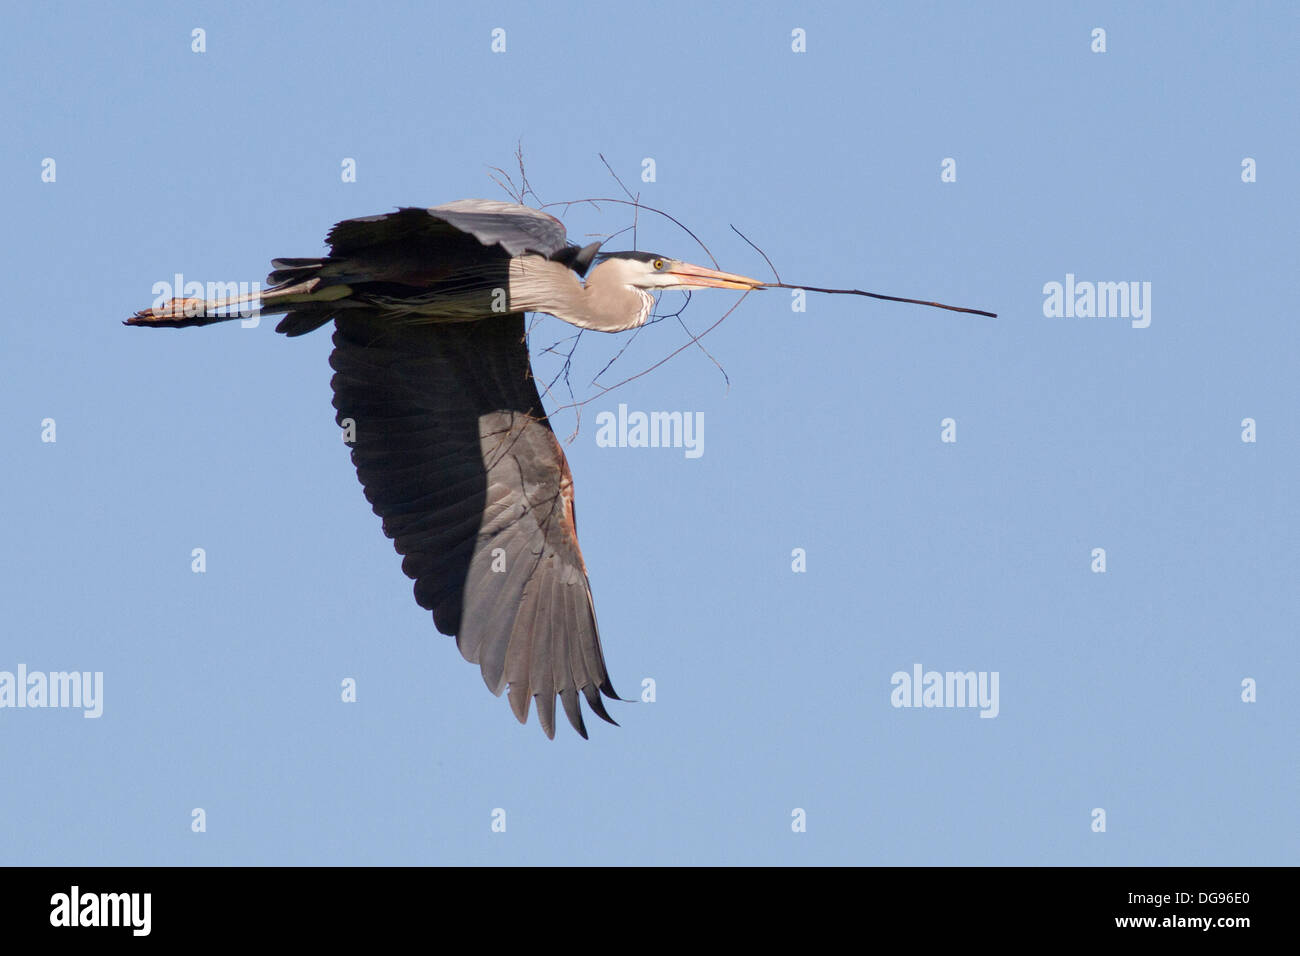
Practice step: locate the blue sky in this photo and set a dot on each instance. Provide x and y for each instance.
(1119, 690)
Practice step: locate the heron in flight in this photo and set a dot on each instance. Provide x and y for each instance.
(451, 442)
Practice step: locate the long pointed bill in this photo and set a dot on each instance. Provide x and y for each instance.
(697, 277)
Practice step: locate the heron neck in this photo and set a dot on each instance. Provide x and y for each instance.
(540, 285)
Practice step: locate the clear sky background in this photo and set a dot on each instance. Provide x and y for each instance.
(1119, 691)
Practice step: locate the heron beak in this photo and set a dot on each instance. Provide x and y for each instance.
(697, 277)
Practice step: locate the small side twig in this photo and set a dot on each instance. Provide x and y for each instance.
(510, 190)
(636, 209)
(759, 251)
(639, 205)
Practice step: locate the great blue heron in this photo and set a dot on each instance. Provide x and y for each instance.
(451, 442)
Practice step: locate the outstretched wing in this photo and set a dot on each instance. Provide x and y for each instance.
(456, 455)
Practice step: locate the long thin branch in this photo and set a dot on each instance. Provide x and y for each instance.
(877, 295)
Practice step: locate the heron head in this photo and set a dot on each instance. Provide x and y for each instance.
(651, 271)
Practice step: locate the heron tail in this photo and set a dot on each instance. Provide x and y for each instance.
(295, 285)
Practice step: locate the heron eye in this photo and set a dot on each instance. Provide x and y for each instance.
(658, 264)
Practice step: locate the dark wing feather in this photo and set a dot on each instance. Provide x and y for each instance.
(516, 229)
(456, 456)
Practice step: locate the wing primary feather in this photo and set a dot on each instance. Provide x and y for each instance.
(519, 701)
(540, 673)
(569, 697)
(558, 624)
(546, 711)
(592, 693)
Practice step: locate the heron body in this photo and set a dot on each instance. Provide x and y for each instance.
(451, 441)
